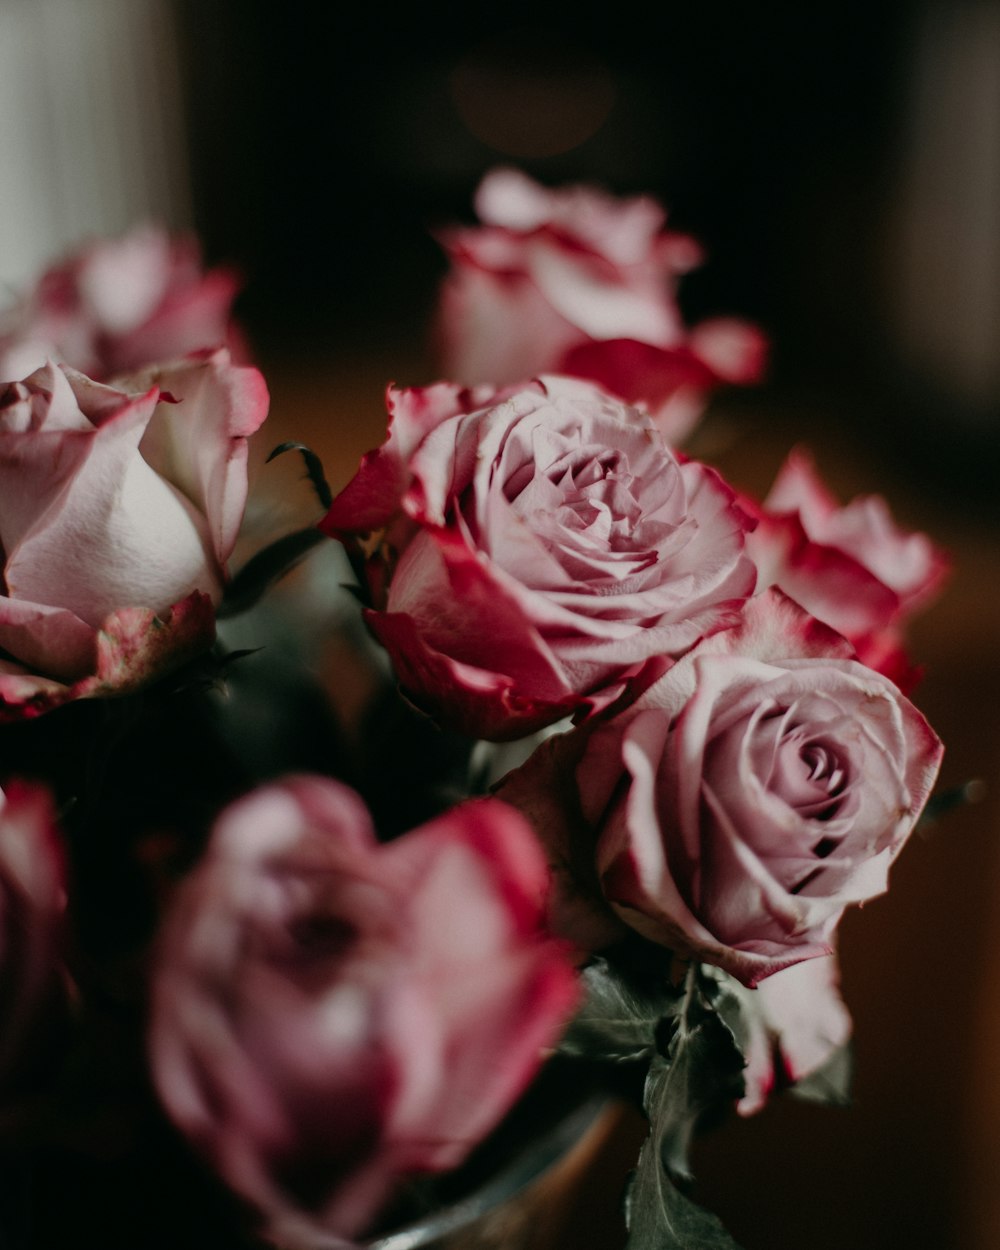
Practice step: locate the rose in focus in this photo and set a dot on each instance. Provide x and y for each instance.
(851, 566)
(331, 1016)
(538, 549)
(575, 281)
(764, 783)
(119, 507)
(117, 305)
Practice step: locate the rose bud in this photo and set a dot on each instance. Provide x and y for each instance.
(539, 549)
(119, 304)
(742, 802)
(578, 282)
(32, 899)
(331, 1016)
(851, 567)
(119, 507)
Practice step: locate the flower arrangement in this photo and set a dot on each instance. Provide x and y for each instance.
(659, 731)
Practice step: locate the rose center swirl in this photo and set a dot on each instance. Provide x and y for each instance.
(803, 765)
(586, 510)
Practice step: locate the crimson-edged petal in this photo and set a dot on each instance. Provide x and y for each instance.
(117, 533)
(197, 436)
(133, 647)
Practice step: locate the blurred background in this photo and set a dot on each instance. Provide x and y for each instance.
(841, 164)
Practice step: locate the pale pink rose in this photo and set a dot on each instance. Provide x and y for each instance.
(119, 304)
(795, 1023)
(764, 783)
(119, 507)
(539, 550)
(850, 566)
(576, 281)
(331, 1016)
(673, 383)
(32, 900)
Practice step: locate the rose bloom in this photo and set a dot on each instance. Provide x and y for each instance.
(540, 548)
(119, 507)
(118, 304)
(744, 800)
(331, 1016)
(578, 282)
(850, 566)
(32, 900)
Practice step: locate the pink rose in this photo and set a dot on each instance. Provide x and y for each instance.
(331, 1016)
(765, 782)
(578, 282)
(32, 899)
(118, 304)
(851, 567)
(118, 510)
(540, 549)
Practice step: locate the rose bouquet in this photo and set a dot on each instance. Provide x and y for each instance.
(624, 744)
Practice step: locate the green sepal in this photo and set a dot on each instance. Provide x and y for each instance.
(314, 469)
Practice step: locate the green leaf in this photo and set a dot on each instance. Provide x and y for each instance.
(726, 998)
(704, 1072)
(314, 469)
(699, 1072)
(265, 568)
(618, 1021)
(661, 1218)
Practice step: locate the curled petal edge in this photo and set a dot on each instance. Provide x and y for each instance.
(134, 647)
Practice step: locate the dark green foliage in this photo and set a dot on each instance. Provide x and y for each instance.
(696, 1071)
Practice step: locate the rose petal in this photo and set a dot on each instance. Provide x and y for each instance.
(199, 442)
(118, 533)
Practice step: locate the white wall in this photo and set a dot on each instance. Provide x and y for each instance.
(91, 132)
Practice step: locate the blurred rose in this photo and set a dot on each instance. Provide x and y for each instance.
(851, 567)
(32, 898)
(578, 282)
(331, 1016)
(752, 793)
(118, 304)
(117, 506)
(540, 549)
